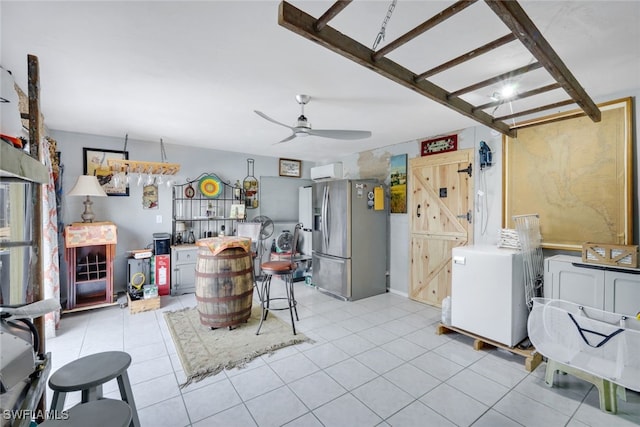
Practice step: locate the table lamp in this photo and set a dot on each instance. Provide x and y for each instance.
(87, 185)
(181, 227)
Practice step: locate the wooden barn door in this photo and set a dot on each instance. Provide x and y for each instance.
(441, 209)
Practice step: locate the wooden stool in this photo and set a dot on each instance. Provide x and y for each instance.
(114, 413)
(87, 375)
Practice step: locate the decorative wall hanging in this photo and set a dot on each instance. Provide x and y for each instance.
(575, 174)
(250, 185)
(439, 145)
(150, 196)
(290, 167)
(96, 162)
(398, 183)
(210, 186)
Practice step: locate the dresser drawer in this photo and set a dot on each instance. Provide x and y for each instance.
(185, 256)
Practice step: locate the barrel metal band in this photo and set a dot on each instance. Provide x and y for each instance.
(225, 316)
(223, 255)
(225, 298)
(223, 274)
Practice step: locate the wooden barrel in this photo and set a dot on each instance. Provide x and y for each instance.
(224, 287)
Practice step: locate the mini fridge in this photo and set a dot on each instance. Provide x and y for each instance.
(487, 293)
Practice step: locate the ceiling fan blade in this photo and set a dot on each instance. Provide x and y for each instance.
(264, 116)
(340, 134)
(289, 138)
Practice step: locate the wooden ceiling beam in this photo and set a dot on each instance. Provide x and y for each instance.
(425, 26)
(537, 109)
(522, 95)
(467, 56)
(331, 13)
(497, 79)
(303, 24)
(515, 18)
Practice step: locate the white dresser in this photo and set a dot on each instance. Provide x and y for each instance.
(615, 289)
(183, 264)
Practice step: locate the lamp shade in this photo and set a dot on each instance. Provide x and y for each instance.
(87, 185)
(180, 227)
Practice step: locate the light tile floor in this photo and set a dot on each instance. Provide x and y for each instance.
(375, 362)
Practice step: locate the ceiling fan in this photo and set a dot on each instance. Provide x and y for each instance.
(303, 127)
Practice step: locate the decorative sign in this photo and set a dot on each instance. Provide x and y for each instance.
(439, 145)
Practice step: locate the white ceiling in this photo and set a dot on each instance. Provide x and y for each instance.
(192, 73)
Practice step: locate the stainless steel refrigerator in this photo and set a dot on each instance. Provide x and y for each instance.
(349, 239)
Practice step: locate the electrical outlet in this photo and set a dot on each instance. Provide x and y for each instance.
(158, 219)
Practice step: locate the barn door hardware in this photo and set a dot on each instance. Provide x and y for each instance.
(466, 216)
(468, 170)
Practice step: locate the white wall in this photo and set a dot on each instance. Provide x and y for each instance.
(135, 224)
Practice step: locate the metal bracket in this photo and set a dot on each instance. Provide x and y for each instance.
(468, 170)
(466, 216)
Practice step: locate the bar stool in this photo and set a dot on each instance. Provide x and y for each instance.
(88, 374)
(284, 269)
(104, 412)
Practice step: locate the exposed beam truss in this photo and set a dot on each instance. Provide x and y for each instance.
(511, 14)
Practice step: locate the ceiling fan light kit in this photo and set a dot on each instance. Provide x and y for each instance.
(303, 127)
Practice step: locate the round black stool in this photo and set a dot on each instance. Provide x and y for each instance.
(87, 375)
(114, 413)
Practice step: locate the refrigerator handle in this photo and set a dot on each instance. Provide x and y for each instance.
(325, 210)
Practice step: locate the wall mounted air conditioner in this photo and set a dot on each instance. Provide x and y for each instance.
(330, 171)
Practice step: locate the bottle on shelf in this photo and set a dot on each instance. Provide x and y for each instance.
(192, 238)
(236, 190)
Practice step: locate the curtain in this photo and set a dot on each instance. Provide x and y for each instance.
(50, 253)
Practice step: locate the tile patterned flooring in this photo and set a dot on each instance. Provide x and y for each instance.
(375, 362)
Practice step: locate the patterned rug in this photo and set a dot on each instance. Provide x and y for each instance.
(204, 352)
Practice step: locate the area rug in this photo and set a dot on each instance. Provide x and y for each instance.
(204, 352)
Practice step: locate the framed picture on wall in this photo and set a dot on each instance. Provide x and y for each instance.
(290, 167)
(95, 163)
(398, 183)
(575, 174)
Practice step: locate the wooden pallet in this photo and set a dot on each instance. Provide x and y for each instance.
(532, 357)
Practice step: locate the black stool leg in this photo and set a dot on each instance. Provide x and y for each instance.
(289, 288)
(293, 299)
(264, 300)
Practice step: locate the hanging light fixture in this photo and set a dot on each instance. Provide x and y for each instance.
(161, 170)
